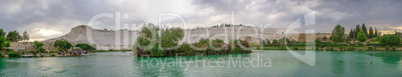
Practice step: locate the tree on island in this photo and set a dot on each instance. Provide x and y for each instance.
(154, 42)
(338, 34)
(361, 37)
(13, 36)
(62, 45)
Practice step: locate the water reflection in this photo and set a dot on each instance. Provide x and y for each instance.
(388, 57)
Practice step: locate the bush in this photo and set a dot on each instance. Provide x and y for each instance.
(331, 49)
(342, 48)
(350, 48)
(85, 47)
(295, 48)
(393, 48)
(387, 48)
(186, 50)
(155, 51)
(14, 54)
(390, 40)
(370, 48)
(2, 55)
(52, 55)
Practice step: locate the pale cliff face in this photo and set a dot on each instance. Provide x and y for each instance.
(125, 39)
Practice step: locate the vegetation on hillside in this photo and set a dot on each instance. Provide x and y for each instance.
(85, 47)
(165, 42)
(62, 45)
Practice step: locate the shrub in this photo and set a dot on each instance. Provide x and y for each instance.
(2, 55)
(370, 48)
(390, 40)
(85, 47)
(155, 51)
(295, 48)
(331, 49)
(41, 55)
(350, 48)
(14, 54)
(386, 48)
(186, 50)
(52, 55)
(342, 48)
(393, 48)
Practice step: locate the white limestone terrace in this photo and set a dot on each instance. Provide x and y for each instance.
(125, 39)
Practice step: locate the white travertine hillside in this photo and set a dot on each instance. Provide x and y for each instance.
(125, 39)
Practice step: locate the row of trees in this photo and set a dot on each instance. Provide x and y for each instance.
(354, 33)
(338, 35)
(278, 41)
(12, 36)
(165, 42)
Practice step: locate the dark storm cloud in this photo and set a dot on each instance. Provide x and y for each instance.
(61, 15)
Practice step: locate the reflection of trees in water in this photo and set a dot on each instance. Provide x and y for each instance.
(176, 70)
(337, 63)
(388, 57)
(2, 65)
(151, 68)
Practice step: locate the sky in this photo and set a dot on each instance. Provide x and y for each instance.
(45, 19)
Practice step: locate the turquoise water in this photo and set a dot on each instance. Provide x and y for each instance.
(259, 63)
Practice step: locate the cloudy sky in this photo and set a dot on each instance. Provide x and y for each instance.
(44, 19)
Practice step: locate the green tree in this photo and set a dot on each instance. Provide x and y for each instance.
(39, 46)
(348, 38)
(171, 37)
(351, 33)
(338, 34)
(3, 42)
(357, 30)
(62, 45)
(364, 29)
(293, 41)
(25, 36)
(371, 33)
(13, 36)
(361, 37)
(376, 32)
(390, 40)
(155, 42)
(325, 38)
(275, 42)
(268, 42)
(85, 47)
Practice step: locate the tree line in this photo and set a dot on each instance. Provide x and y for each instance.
(362, 35)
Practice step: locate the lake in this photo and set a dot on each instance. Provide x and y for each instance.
(275, 63)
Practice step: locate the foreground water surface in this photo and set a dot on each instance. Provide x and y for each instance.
(258, 63)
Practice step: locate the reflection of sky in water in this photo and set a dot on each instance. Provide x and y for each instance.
(283, 64)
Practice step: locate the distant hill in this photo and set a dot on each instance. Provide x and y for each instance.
(125, 39)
